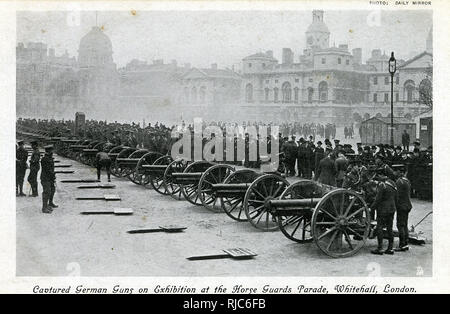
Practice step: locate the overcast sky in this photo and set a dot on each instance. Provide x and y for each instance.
(224, 37)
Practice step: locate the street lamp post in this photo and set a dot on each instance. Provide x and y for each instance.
(392, 70)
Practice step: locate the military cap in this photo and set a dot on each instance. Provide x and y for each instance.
(373, 147)
(359, 144)
(48, 148)
(366, 147)
(417, 143)
(337, 141)
(21, 142)
(398, 147)
(301, 139)
(33, 142)
(293, 136)
(319, 143)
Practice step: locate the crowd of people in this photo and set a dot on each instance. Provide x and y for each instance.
(387, 192)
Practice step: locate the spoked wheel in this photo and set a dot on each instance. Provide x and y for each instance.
(173, 189)
(233, 206)
(213, 175)
(157, 180)
(297, 226)
(257, 197)
(190, 191)
(120, 170)
(135, 175)
(341, 223)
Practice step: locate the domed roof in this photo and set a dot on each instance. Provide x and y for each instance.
(95, 40)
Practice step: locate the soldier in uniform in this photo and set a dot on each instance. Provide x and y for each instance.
(384, 204)
(21, 167)
(48, 180)
(405, 140)
(341, 165)
(319, 154)
(102, 160)
(326, 171)
(404, 206)
(34, 168)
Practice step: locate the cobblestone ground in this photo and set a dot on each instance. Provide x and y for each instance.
(67, 243)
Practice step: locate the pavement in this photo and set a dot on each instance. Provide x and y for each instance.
(66, 243)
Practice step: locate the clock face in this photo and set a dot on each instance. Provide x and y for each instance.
(310, 40)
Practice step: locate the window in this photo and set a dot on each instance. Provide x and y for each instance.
(249, 65)
(296, 90)
(266, 94)
(287, 93)
(263, 65)
(339, 60)
(323, 91)
(297, 80)
(386, 80)
(409, 91)
(397, 80)
(375, 80)
(310, 80)
(397, 97)
(324, 60)
(347, 62)
(386, 97)
(276, 81)
(310, 94)
(267, 81)
(275, 94)
(375, 97)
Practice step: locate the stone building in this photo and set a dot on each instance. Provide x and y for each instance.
(331, 84)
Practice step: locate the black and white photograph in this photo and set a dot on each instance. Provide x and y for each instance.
(196, 141)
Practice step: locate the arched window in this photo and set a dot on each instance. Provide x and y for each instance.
(249, 93)
(275, 94)
(323, 91)
(287, 92)
(310, 94)
(266, 94)
(425, 92)
(296, 90)
(194, 95)
(202, 94)
(409, 91)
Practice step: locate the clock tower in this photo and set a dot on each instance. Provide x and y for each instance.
(317, 34)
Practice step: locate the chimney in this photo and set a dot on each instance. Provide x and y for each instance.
(269, 53)
(287, 57)
(214, 66)
(357, 55)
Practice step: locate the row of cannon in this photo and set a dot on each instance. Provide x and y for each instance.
(337, 220)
